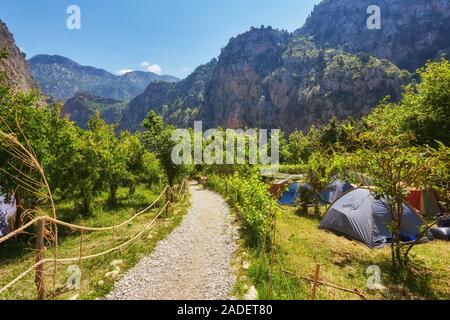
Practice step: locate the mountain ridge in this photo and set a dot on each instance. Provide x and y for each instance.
(331, 66)
(61, 78)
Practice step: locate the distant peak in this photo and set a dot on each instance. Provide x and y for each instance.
(49, 59)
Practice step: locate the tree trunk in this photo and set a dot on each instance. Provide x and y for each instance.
(316, 207)
(132, 189)
(113, 193)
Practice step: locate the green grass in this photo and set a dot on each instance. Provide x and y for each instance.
(301, 244)
(18, 255)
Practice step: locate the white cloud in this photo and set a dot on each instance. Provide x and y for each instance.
(151, 67)
(124, 71)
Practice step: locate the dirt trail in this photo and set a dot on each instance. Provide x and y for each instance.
(194, 262)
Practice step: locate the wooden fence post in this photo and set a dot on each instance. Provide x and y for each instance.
(113, 237)
(39, 277)
(169, 200)
(81, 248)
(272, 259)
(315, 282)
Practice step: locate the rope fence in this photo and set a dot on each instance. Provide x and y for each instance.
(40, 224)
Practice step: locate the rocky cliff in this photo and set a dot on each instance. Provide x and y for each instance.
(14, 66)
(332, 66)
(84, 105)
(264, 81)
(179, 103)
(268, 78)
(412, 31)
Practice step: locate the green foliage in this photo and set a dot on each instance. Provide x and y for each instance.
(251, 198)
(78, 163)
(319, 171)
(424, 111)
(158, 139)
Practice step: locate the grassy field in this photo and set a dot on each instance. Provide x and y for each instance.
(301, 244)
(18, 255)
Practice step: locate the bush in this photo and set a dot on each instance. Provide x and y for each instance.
(250, 197)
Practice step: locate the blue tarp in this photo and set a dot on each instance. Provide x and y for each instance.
(290, 196)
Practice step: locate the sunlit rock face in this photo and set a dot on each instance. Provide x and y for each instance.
(14, 66)
(412, 31)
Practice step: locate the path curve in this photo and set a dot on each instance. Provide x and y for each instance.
(193, 263)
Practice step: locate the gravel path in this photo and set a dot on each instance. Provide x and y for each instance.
(193, 263)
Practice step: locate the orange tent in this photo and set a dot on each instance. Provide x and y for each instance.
(424, 201)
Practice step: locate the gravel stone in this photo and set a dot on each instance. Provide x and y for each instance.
(193, 263)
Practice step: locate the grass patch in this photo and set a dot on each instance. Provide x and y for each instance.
(301, 244)
(18, 255)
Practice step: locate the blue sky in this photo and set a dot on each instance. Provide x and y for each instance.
(169, 36)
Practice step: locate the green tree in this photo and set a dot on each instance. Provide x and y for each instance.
(423, 112)
(319, 171)
(158, 139)
(141, 165)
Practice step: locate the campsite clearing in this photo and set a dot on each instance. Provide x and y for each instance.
(301, 244)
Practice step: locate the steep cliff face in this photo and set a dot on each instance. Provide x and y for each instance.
(237, 85)
(333, 66)
(83, 106)
(179, 103)
(62, 78)
(14, 66)
(298, 85)
(412, 31)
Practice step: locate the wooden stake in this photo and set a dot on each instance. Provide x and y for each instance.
(81, 252)
(113, 238)
(39, 277)
(315, 282)
(168, 193)
(81, 248)
(272, 259)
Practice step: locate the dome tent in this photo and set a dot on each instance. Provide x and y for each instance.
(358, 215)
(335, 190)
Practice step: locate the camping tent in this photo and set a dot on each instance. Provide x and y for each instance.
(335, 190)
(358, 215)
(7, 213)
(277, 187)
(291, 195)
(425, 202)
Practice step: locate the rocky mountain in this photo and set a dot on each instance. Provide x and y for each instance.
(14, 66)
(412, 31)
(61, 78)
(179, 103)
(332, 66)
(84, 105)
(268, 78)
(264, 83)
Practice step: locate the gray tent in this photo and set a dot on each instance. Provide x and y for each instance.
(358, 215)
